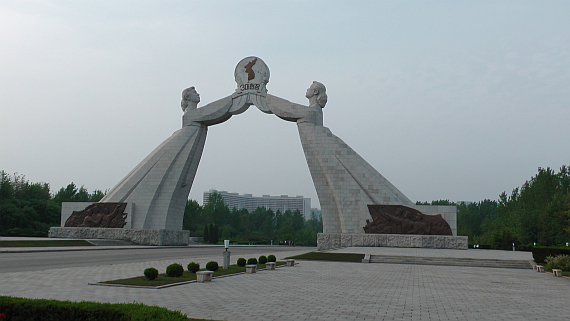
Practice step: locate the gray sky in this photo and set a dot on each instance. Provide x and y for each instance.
(457, 100)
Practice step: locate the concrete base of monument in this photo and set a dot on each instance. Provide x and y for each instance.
(330, 241)
(137, 236)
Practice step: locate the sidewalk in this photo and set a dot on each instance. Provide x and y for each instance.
(324, 290)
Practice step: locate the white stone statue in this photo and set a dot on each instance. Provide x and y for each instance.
(190, 99)
(157, 189)
(159, 185)
(344, 181)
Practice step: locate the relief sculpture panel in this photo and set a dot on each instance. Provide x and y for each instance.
(399, 219)
(110, 215)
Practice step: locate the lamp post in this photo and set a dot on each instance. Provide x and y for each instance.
(226, 261)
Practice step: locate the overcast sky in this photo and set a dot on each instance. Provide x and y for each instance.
(457, 100)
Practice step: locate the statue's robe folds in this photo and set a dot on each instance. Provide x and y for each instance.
(344, 181)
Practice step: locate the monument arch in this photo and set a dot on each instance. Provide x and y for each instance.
(156, 190)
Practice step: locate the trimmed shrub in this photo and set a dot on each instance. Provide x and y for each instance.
(262, 259)
(193, 267)
(560, 262)
(241, 262)
(271, 258)
(174, 270)
(151, 273)
(212, 266)
(252, 260)
(539, 253)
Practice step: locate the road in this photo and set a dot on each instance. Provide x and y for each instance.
(39, 261)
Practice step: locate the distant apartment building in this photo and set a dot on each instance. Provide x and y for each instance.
(250, 203)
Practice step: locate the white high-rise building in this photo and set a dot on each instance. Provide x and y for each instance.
(250, 203)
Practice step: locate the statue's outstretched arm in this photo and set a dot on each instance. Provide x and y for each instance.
(285, 109)
(213, 113)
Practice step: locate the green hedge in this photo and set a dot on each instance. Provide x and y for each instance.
(539, 253)
(329, 256)
(16, 309)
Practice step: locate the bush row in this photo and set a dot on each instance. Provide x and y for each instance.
(262, 260)
(52, 310)
(540, 253)
(176, 270)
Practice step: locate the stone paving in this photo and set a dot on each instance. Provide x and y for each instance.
(324, 290)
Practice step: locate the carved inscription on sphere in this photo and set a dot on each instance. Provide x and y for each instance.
(251, 74)
(399, 219)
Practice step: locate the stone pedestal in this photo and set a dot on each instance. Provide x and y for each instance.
(251, 268)
(204, 276)
(328, 241)
(137, 236)
(226, 260)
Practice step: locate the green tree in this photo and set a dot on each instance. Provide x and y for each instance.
(206, 234)
(192, 216)
(26, 209)
(216, 234)
(73, 194)
(211, 237)
(216, 211)
(537, 211)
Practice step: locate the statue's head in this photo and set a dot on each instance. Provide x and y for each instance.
(317, 93)
(190, 97)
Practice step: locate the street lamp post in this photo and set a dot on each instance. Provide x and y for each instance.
(226, 261)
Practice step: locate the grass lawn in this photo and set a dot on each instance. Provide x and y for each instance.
(326, 256)
(44, 243)
(162, 279)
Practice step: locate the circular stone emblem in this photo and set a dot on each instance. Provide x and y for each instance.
(252, 75)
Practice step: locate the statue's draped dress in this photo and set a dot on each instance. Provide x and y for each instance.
(344, 181)
(158, 186)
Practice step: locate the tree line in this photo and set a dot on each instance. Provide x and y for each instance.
(537, 212)
(261, 226)
(30, 209)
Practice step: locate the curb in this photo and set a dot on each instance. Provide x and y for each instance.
(158, 287)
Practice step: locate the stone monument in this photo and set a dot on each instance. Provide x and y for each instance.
(346, 184)
(153, 195)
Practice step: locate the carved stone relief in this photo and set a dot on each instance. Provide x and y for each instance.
(399, 219)
(110, 215)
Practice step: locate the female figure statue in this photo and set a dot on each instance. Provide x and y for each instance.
(344, 181)
(158, 187)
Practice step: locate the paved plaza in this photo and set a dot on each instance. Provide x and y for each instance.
(325, 290)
